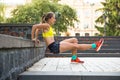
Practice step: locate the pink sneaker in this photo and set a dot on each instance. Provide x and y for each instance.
(99, 44)
(77, 61)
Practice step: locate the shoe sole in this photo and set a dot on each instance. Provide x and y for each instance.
(100, 45)
(76, 62)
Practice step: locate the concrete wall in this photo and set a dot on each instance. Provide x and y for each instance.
(16, 55)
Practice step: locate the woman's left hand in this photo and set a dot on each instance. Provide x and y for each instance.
(36, 41)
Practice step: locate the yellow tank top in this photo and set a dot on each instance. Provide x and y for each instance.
(49, 33)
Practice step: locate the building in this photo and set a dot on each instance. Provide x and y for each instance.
(87, 15)
(12, 4)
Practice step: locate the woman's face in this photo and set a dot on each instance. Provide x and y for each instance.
(52, 20)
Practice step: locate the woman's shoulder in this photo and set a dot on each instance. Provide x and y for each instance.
(42, 24)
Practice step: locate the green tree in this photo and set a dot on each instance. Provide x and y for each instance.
(67, 17)
(2, 12)
(110, 18)
(32, 13)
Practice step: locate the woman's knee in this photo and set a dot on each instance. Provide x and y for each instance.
(75, 40)
(76, 46)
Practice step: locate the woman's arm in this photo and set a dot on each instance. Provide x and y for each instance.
(36, 33)
(37, 27)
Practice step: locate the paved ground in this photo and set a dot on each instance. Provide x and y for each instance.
(92, 64)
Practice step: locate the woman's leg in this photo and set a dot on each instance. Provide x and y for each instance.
(72, 44)
(65, 46)
(84, 46)
(71, 40)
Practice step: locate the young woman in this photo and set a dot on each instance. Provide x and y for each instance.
(58, 47)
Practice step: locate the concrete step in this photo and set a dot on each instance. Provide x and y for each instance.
(45, 75)
(101, 51)
(84, 55)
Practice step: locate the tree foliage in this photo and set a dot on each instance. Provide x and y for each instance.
(110, 17)
(32, 13)
(2, 12)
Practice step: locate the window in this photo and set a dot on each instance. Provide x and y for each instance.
(86, 34)
(87, 12)
(96, 34)
(86, 26)
(77, 34)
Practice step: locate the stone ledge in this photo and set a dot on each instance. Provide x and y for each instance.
(7, 41)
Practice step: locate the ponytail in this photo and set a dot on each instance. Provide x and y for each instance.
(43, 18)
(47, 16)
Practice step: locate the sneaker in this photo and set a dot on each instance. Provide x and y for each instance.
(77, 61)
(99, 44)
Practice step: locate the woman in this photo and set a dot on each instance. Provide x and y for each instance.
(58, 47)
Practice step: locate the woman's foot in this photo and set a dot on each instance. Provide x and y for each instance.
(77, 60)
(99, 44)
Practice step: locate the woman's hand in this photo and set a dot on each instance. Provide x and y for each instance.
(36, 41)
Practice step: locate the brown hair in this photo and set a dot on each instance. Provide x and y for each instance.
(47, 16)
